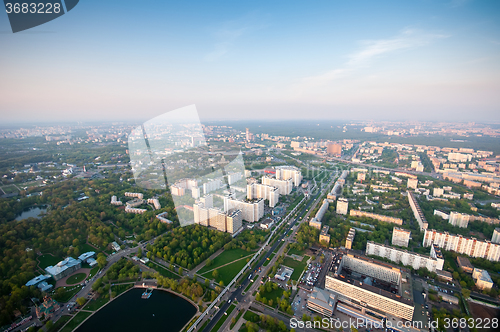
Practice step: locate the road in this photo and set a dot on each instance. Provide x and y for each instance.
(237, 294)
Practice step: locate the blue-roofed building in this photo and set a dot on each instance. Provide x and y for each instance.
(64, 268)
(35, 281)
(85, 256)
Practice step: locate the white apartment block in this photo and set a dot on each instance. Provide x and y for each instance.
(404, 257)
(322, 210)
(459, 219)
(234, 177)
(214, 217)
(212, 186)
(285, 186)
(251, 211)
(342, 206)
(400, 236)
(287, 172)
(263, 191)
(412, 183)
(437, 192)
(496, 236)
(467, 246)
(417, 211)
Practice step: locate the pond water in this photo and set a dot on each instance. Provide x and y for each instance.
(163, 311)
(33, 212)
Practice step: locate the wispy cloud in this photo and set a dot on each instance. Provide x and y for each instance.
(227, 34)
(458, 3)
(371, 50)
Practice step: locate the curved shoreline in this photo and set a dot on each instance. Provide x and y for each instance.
(162, 289)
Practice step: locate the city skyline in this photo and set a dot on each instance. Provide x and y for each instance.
(427, 60)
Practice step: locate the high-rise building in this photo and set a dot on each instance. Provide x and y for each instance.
(321, 301)
(405, 257)
(400, 237)
(468, 246)
(285, 186)
(287, 172)
(342, 206)
(350, 238)
(459, 219)
(334, 149)
(251, 211)
(206, 215)
(412, 183)
(263, 191)
(496, 236)
(417, 211)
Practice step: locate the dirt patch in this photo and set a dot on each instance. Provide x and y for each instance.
(482, 311)
(62, 282)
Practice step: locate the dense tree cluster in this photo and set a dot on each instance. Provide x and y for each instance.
(189, 246)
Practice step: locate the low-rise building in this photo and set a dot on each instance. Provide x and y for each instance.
(64, 268)
(321, 301)
(324, 236)
(465, 264)
(482, 279)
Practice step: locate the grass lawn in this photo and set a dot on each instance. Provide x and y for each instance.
(272, 295)
(76, 278)
(48, 260)
(60, 322)
(9, 189)
(235, 320)
(86, 248)
(294, 251)
(297, 266)
(80, 317)
(223, 318)
(93, 271)
(163, 271)
(67, 294)
(227, 256)
(228, 272)
(251, 316)
(94, 305)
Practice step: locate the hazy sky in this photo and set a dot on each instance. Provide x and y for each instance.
(135, 60)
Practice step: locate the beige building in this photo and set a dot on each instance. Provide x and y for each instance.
(400, 237)
(251, 211)
(315, 223)
(412, 183)
(334, 149)
(482, 279)
(321, 301)
(287, 172)
(255, 191)
(342, 206)
(209, 216)
(350, 238)
(468, 246)
(381, 217)
(459, 219)
(437, 192)
(324, 236)
(284, 186)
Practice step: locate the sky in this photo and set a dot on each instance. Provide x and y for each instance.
(237, 60)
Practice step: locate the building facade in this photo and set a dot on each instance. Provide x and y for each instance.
(251, 211)
(255, 191)
(400, 237)
(381, 217)
(342, 206)
(287, 172)
(284, 186)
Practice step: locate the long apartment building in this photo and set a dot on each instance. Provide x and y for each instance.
(468, 246)
(337, 188)
(287, 172)
(316, 221)
(417, 211)
(251, 211)
(350, 238)
(137, 195)
(352, 281)
(285, 186)
(209, 216)
(255, 190)
(404, 257)
(381, 217)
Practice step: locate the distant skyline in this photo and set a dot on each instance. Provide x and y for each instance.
(347, 60)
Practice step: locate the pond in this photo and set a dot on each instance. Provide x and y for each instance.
(33, 212)
(163, 311)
